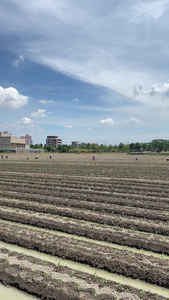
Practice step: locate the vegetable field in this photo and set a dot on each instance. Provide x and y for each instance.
(111, 214)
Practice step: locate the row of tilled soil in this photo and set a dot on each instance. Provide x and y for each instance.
(119, 236)
(85, 195)
(33, 202)
(123, 200)
(91, 189)
(146, 171)
(104, 184)
(97, 217)
(90, 203)
(50, 281)
(81, 180)
(151, 269)
(49, 188)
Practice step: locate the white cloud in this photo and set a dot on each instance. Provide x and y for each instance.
(75, 100)
(42, 101)
(94, 57)
(118, 63)
(45, 101)
(153, 91)
(153, 9)
(40, 113)
(68, 126)
(131, 121)
(26, 121)
(109, 121)
(18, 61)
(11, 99)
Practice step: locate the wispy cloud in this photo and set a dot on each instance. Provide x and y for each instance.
(75, 100)
(42, 101)
(108, 121)
(107, 50)
(40, 113)
(68, 126)
(46, 101)
(18, 61)
(114, 63)
(151, 9)
(131, 121)
(11, 99)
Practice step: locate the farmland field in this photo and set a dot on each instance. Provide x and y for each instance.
(94, 229)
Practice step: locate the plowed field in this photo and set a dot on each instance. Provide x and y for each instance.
(111, 214)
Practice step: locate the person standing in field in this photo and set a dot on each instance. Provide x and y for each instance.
(93, 157)
(50, 156)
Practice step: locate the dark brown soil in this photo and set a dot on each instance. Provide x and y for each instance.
(49, 281)
(28, 201)
(116, 235)
(96, 217)
(114, 199)
(127, 263)
(121, 199)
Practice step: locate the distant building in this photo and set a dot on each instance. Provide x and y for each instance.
(28, 140)
(96, 144)
(76, 144)
(7, 142)
(59, 142)
(17, 142)
(52, 140)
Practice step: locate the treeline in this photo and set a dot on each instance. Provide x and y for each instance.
(158, 145)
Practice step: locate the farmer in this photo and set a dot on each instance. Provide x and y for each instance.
(50, 156)
(2, 156)
(93, 157)
(6, 156)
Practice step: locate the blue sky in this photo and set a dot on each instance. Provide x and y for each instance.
(86, 70)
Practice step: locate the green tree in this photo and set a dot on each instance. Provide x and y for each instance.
(49, 148)
(137, 147)
(37, 146)
(121, 147)
(63, 148)
(131, 147)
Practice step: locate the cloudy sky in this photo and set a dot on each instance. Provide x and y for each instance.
(86, 70)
